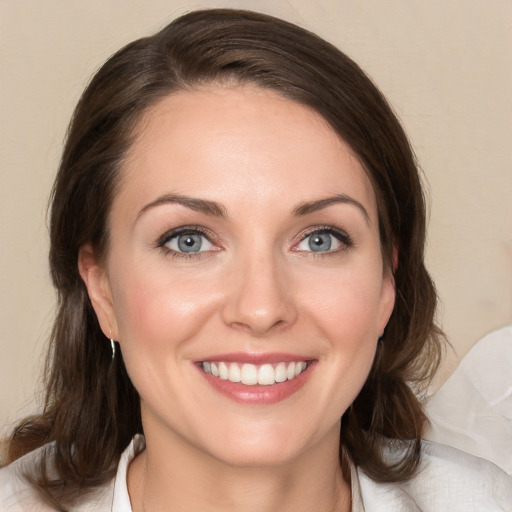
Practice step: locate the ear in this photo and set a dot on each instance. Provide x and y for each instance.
(388, 293)
(387, 300)
(395, 257)
(98, 287)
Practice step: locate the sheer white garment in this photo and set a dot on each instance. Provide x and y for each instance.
(473, 409)
(449, 481)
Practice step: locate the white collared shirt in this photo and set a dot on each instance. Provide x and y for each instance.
(448, 481)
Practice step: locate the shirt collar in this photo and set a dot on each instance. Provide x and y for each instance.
(121, 498)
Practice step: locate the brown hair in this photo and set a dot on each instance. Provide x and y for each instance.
(91, 409)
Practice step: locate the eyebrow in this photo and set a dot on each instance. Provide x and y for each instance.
(314, 206)
(200, 205)
(215, 209)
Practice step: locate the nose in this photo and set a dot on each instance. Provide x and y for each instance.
(260, 298)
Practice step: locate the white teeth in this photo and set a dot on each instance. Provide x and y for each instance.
(299, 368)
(290, 371)
(250, 374)
(266, 376)
(280, 372)
(234, 373)
(223, 371)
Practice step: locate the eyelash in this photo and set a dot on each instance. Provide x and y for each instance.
(185, 230)
(344, 238)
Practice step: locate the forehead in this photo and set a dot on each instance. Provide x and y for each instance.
(227, 142)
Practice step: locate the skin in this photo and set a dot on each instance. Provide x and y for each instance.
(256, 288)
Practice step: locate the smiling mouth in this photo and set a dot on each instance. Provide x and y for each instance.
(252, 374)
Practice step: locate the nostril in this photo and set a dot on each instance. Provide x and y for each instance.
(258, 299)
(259, 325)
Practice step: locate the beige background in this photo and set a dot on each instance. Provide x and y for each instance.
(444, 65)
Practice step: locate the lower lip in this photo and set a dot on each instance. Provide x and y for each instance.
(259, 395)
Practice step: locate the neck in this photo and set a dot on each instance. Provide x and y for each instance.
(159, 481)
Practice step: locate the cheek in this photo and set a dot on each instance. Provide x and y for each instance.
(154, 310)
(347, 306)
(346, 310)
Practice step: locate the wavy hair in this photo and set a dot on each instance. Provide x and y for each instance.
(91, 409)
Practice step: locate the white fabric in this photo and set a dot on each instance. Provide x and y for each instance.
(473, 409)
(449, 481)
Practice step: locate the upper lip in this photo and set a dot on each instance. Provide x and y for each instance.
(256, 359)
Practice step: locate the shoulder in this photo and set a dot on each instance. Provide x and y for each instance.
(448, 479)
(17, 494)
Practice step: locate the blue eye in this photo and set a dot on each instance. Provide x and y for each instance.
(324, 240)
(320, 242)
(188, 242)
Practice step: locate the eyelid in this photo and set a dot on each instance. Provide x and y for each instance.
(164, 239)
(171, 233)
(341, 235)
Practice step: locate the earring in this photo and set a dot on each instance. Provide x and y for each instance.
(113, 345)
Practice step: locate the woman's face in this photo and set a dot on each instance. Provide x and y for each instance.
(244, 279)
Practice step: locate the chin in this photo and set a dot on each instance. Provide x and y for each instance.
(259, 456)
(266, 445)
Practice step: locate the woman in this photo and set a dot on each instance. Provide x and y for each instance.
(237, 236)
